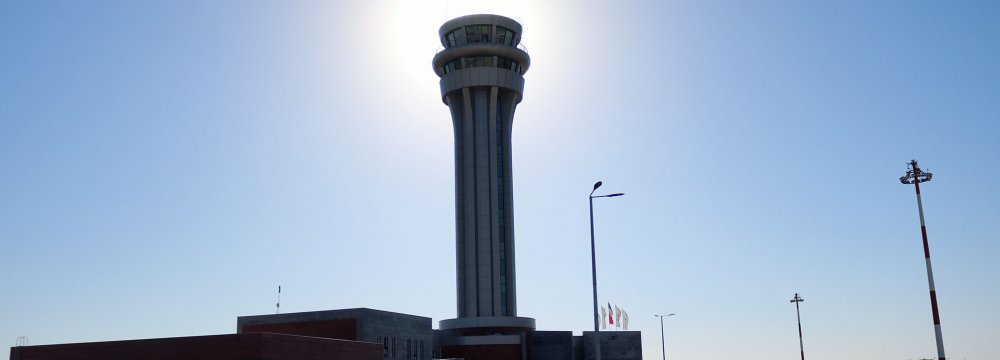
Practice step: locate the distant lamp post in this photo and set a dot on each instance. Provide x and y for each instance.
(797, 300)
(663, 344)
(916, 176)
(593, 268)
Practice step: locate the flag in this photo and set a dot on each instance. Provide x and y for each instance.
(625, 320)
(604, 323)
(618, 316)
(611, 315)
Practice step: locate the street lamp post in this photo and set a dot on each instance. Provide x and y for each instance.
(663, 344)
(593, 268)
(797, 299)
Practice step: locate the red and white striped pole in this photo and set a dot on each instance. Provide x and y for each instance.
(916, 176)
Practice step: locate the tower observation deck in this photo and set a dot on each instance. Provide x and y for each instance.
(481, 70)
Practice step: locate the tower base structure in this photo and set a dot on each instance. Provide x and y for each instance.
(494, 337)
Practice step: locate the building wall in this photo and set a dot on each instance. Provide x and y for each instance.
(255, 346)
(615, 345)
(482, 352)
(550, 345)
(344, 329)
(400, 336)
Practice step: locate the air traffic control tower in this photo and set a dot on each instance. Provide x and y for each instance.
(481, 70)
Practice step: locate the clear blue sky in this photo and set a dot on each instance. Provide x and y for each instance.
(164, 165)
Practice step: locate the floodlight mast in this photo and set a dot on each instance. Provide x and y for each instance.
(916, 176)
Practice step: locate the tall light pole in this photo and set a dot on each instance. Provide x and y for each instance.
(916, 176)
(797, 300)
(593, 268)
(663, 344)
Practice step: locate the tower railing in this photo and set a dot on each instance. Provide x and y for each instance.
(518, 45)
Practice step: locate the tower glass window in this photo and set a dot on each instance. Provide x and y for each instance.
(477, 33)
(451, 39)
(452, 66)
(501, 225)
(478, 61)
(481, 61)
(505, 63)
(505, 36)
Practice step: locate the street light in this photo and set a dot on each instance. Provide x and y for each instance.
(797, 299)
(663, 344)
(593, 268)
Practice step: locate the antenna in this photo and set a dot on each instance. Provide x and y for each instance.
(277, 306)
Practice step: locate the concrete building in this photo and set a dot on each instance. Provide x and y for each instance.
(256, 346)
(400, 336)
(615, 345)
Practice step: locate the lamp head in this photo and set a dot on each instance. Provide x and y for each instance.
(915, 174)
(597, 185)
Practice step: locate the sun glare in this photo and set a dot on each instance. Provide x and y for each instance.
(425, 17)
(414, 25)
(408, 33)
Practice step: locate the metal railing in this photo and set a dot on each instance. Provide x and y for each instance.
(519, 45)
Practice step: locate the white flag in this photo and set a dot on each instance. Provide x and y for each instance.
(625, 320)
(604, 317)
(618, 316)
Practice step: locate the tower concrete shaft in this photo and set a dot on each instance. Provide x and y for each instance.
(481, 72)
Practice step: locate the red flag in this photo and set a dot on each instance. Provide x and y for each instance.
(611, 315)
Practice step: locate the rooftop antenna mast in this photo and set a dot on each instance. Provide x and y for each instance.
(277, 306)
(916, 176)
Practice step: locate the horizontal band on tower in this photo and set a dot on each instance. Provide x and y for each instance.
(481, 49)
(483, 76)
(488, 322)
